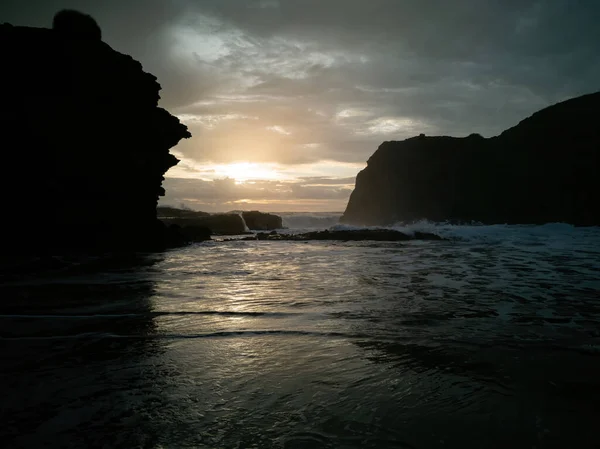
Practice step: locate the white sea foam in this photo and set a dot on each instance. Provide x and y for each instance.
(246, 228)
(317, 220)
(555, 235)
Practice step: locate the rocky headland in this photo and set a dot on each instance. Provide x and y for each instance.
(188, 223)
(85, 143)
(545, 169)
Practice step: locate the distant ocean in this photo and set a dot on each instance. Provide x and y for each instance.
(489, 339)
(300, 221)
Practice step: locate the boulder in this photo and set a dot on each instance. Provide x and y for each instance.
(219, 224)
(261, 221)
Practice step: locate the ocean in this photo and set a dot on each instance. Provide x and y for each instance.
(488, 339)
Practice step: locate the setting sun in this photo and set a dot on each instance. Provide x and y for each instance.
(246, 171)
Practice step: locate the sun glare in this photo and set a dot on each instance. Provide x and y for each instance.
(247, 171)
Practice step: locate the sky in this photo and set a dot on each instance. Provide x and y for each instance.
(287, 99)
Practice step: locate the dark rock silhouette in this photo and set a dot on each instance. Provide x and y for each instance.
(545, 169)
(166, 212)
(261, 221)
(76, 25)
(220, 224)
(189, 222)
(182, 235)
(231, 223)
(85, 145)
(379, 235)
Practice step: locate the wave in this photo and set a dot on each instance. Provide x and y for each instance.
(246, 228)
(152, 314)
(85, 335)
(220, 334)
(317, 220)
(255, 333)
(549, 234)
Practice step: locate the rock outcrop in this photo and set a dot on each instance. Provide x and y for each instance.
(218, 224)
(545, 169)
(171, 213)
(232, 223)
(85, 145)
(358, 235)
(261, 221)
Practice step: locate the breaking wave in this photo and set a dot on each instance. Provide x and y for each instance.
(317, 220)
(550, 234)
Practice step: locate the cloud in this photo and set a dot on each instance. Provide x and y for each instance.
(297, 82)
(408, 67)
(221, 195)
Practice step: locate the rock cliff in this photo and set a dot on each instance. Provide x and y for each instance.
(261, 221)
(84, 143)
(545, 169)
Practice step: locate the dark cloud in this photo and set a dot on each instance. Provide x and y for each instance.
(435, 67)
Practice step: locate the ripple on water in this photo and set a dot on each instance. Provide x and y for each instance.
(488, 340)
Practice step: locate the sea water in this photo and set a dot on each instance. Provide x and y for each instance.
(490, 338)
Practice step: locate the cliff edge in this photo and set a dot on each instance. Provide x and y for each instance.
(84, 143)
(545, 169)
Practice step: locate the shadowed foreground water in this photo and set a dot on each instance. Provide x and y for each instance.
(490, 339)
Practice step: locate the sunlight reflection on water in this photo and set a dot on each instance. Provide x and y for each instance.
(477, 343)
